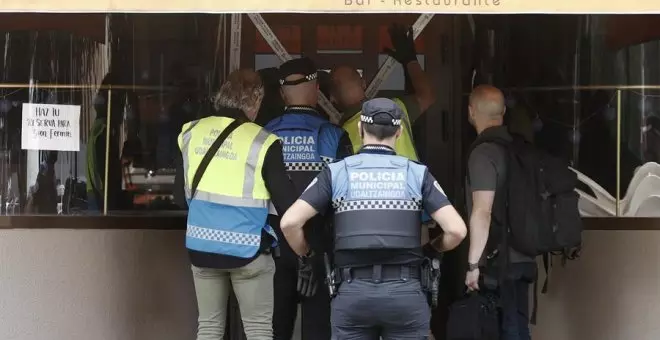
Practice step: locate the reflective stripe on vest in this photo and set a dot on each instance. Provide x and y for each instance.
(228, 212)
(377, 201)
(94, 180)
(309, 141)
(405, 146)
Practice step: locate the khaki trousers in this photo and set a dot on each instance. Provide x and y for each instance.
(253, 286)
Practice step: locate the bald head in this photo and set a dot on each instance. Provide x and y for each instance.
(303, 94)
(487, 103)
(346, 86)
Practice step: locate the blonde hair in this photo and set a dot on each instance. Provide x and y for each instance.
(242, 90)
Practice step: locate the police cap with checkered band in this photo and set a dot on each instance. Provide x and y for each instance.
(300, 66)
(381, 111)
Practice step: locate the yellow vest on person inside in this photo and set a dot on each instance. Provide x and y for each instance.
(405, 146)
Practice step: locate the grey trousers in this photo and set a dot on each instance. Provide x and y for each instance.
(391, 310)
(253, 286)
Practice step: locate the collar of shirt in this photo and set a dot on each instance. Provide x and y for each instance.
(231, 113)
(301, 110)
(496, 131)
(377, 149)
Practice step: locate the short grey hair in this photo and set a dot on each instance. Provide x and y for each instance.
(242, 90)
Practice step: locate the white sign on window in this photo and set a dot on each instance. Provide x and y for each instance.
(50, 127)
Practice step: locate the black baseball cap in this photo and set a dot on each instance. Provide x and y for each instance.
(302, 66)
(381, 111)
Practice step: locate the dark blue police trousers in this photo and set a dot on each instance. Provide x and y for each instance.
(390, 310)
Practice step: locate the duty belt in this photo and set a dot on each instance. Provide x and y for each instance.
(378, 273)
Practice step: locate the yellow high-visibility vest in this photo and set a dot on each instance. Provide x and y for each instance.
(405, 146)
(229, 210)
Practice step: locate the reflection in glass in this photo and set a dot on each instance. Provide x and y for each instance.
(42, 181)
(161, 70)
(634, 65)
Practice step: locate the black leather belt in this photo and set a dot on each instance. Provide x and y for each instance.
(379, 273)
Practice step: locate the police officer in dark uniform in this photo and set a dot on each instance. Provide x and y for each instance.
(310, 142)
(377, 198)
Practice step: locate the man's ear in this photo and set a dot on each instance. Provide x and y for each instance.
(282, 95)
(398, 133)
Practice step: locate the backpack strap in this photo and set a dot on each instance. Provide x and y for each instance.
(201, 169)
(482, 140)
(535, 307)
(502, 250)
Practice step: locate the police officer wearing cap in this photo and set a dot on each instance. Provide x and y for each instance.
(377, 198)
(310, 142)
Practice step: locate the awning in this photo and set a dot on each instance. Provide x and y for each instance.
(90, 25)
(352, 6)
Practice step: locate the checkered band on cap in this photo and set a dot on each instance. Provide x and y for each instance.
(308, 77)
(370, 120)
(223, 236)
(345, 206)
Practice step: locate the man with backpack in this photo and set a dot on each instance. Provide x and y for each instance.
(521, 205)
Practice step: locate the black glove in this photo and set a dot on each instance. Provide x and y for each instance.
(403, 44)
(430, 252)
(306, 279)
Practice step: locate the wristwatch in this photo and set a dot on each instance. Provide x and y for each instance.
(473, 266)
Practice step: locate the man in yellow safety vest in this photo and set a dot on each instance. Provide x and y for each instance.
(347, 92)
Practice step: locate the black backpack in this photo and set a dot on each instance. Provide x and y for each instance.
(540, 206)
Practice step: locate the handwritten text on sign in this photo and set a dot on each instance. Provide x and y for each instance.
(51, 127)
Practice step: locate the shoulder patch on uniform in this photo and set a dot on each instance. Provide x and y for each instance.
(438, 187)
